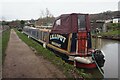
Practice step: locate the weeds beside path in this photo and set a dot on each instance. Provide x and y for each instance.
(4, 38)
(4, 42)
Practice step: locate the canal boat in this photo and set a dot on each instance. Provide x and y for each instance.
(70, 37)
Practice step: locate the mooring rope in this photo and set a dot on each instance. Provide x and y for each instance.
(97, 65)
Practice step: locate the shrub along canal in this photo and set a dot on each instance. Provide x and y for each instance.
(110, 48)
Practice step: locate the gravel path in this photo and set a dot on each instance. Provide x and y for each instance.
(21, 62)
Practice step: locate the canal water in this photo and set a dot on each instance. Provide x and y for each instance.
(110, 48)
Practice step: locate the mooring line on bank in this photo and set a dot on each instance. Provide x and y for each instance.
(98, 66)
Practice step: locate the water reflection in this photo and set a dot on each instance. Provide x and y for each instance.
(110, 48)
(102, 43)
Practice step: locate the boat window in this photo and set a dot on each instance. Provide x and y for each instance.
(58, 22)
(81, 22)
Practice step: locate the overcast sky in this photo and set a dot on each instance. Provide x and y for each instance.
(31, 9)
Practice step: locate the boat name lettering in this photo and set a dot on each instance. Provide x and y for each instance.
(58, 37)
(56, 44)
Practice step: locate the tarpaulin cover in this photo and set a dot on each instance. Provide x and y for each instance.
(66, 23)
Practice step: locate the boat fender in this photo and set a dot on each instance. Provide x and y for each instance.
(99, 57)
(82, 60)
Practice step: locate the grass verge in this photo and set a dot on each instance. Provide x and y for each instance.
(69, 70)
(5, 39)
(111, 33)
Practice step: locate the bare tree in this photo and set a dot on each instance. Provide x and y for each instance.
(42, 14)
(47, 12)
(46, 17)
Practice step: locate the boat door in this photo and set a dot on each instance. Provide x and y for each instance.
(82, 35)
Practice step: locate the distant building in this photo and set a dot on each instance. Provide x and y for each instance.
(39, 22)
(30, 22)
(116, 20)
(109, 21)
(103, 25)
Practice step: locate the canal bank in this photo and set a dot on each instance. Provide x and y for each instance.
(112, 35)
(115, 37)
(109, 37)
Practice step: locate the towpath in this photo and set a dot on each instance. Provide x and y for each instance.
(21, 62)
